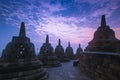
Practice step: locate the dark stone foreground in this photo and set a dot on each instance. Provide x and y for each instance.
(66, 72)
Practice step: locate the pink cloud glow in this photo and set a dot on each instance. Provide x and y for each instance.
(41, 20)
(117, 32)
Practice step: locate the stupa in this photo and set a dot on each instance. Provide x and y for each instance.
(78, 52)
(47, 56)
(19, 62)
(69, 52)
(59, 51)
(104, 39)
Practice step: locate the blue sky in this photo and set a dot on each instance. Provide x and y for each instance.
(70, 20)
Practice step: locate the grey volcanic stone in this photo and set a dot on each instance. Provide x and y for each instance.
(19, 62)
(104, 39)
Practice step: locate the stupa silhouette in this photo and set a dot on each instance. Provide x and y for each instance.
(19, 62)
(47, 56)
(104, 39)
(78, 52)
(69, 52)
(59, 51)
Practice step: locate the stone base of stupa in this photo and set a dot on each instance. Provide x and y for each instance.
(22, 70)
(50, 61)
(71, 57)
(64, 59)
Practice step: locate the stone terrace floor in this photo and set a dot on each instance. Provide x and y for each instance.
(66, 72)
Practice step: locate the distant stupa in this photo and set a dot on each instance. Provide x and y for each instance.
(78, 52)
(19, 62)
(59, 51)
(104, 39)
(69, 52)
(47, 55)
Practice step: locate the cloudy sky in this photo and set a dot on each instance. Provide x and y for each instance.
(68, 20)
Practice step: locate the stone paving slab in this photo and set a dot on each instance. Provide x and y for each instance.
(66, 72)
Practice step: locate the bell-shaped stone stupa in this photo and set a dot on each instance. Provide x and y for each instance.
(59, 51)
(19, 62)
(47, 55)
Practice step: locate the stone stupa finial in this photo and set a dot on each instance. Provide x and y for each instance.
(103, 21)
(59, 42)
(79, 45)
(47, 39)
(68, 44)
(22, 32)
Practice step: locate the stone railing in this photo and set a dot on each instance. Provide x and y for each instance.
(100, 65)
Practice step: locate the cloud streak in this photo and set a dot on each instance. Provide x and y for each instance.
(44, 17)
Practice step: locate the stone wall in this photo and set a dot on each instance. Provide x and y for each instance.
(100, 65)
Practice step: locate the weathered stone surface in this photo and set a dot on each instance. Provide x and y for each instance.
(69, 52)
(19, 48)
(104, 39)
(97, 60)
(25, 71)
(19, 62)
(47, 55)
(100, 65)
(59, 52)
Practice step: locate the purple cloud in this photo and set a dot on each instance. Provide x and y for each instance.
(40, 19)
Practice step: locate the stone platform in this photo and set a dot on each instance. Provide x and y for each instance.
(100, 65)
(66, 72)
